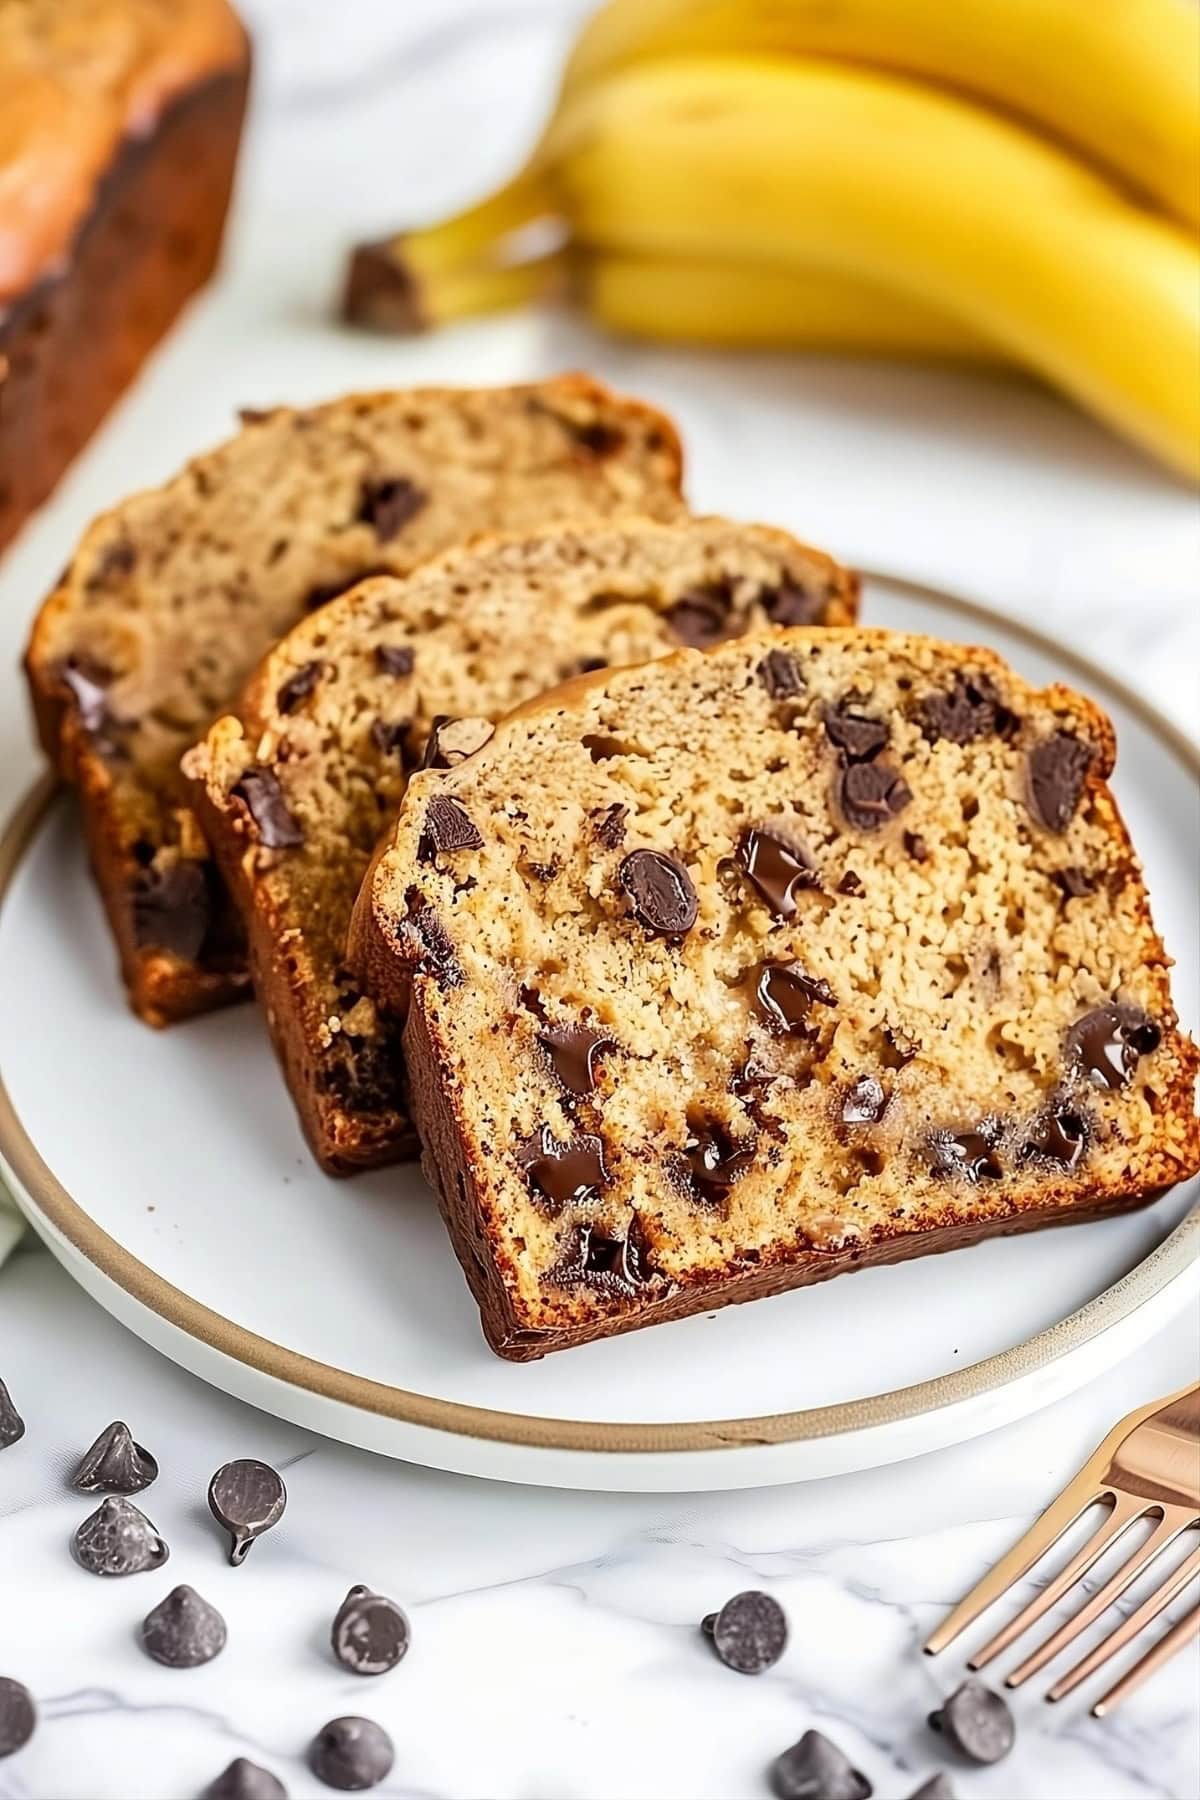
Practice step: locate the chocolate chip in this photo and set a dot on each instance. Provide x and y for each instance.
(183, 1630)
(447, 828)
(351, 1754)
(865, 1102)
(970, 708)
(12, 1425)
(89, 683)
(870, 793)
(452, 740)
(815, 1769)
(18, 1715)
(172, 907)
(969, 1154)
(114, 1464)
(855, 733)
(389, 505)
(791, 603)
(1058, 1136)
(244, 1780)
(115, 560)
(572, 1050)
(714, 1161)
(916, 846)
(595, 436)
(1058, 767)
(1106, 1044)
(783, 995)
(394, 659)
(117, 1539)
(660, 892)
(247, 1497)
(297, 687)
(390, 736)
(1074, 882)
(370, 1632)
(977, 1722)
(776, 869)
(851, 884)
(610, 826)
(261, 795)
(750, 1633)
(701, 616)
(615, 1265)
(565, 1173)
(936, 1788)
(436, 954)
(780, 674)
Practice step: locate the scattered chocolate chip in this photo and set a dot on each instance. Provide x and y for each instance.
(851, 884)
(261, 795)
(1106, 1044)
(18, 1715)
(714, 1161)
(395, 659)
(390, 736)
(870, 793)
(936, 1788)
(1059, 1136)
(117, 1539)
(172, 907)
(298, 687)
(750, 1633)
(970, 1154)
(572, 1050)
(351, 1754)
(452, 740)
(780, 674)
(564, 1173)
(1074, 882)
(776, 869)
(247, 1497)
(660, 892)
(865, 1102)
(610, 826)
(615, 1265)
(89, 683)
(791, 603)
(370, 1632)
(389, 505)
(970, 708)
(183, 1630)
(244, 1780)
(435, 948)
(916, 846)
(12, 1425)
(114, 1464)
(783, 995)
(815, 1769)
(701, 616)
(597, 437)
(447, 828)
(1058, 767)
(855, 734)
(977, 1722)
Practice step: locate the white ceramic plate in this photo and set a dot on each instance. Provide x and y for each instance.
(166, 1172)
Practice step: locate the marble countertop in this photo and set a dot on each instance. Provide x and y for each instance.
(556, 1654)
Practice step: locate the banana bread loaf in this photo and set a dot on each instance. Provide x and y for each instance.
(294, 792)
(119, 128)
(864, 968)
(172, 598)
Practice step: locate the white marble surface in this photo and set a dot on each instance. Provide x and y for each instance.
(555, 1650)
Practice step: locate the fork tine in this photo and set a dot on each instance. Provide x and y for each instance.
(1129, 1628)
(1163, 1533)
(1180, 1634)
(1125, 1510)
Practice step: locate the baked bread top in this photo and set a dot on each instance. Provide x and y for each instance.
(294, 791)
(174, 596)
(838, 950)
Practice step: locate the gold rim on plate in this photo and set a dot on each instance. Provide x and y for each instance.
(135, 1278)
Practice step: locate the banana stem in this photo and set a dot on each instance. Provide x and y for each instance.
(384, 295)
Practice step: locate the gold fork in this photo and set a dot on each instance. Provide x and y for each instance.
(1148, 1467)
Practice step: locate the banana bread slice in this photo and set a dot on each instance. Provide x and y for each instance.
(171, 600)
(840, 954)
(294, 793)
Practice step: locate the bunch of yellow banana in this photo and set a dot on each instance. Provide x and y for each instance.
(991, 180)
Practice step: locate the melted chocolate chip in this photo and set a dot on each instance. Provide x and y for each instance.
(789, 602)
(865, 1102)
(452, 740)
(247, 1497)
(776, 869)
(660, 892)
(815, 1769)
(856, 735)
(18, 1715)
(12, 1425)
(436, 954)
(351, 1754)
(1058, 767)
(969, 1154)
(970, 708)
(447, 828)
(1059, 1136)
(783, 995)
(244, 1780)
(1106, 1044)
(1074, 882)
(780, 674)
(916, 846)
(117, 1539)
(172, 907)
(114, 1464)
(596, 1259)
(610, 826)
(389, 505)
(851, 884)
(394, 659)
(977, 1722)
(260, 793)
(371, 1634)
(595, 436)
(714, 1161)
(870, 793)
(183, 1631)
(89, 683)
(701, 616)
(564, 1173)
(391, 736)
(750, 1632)
(298, 687)
(572, 1051)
